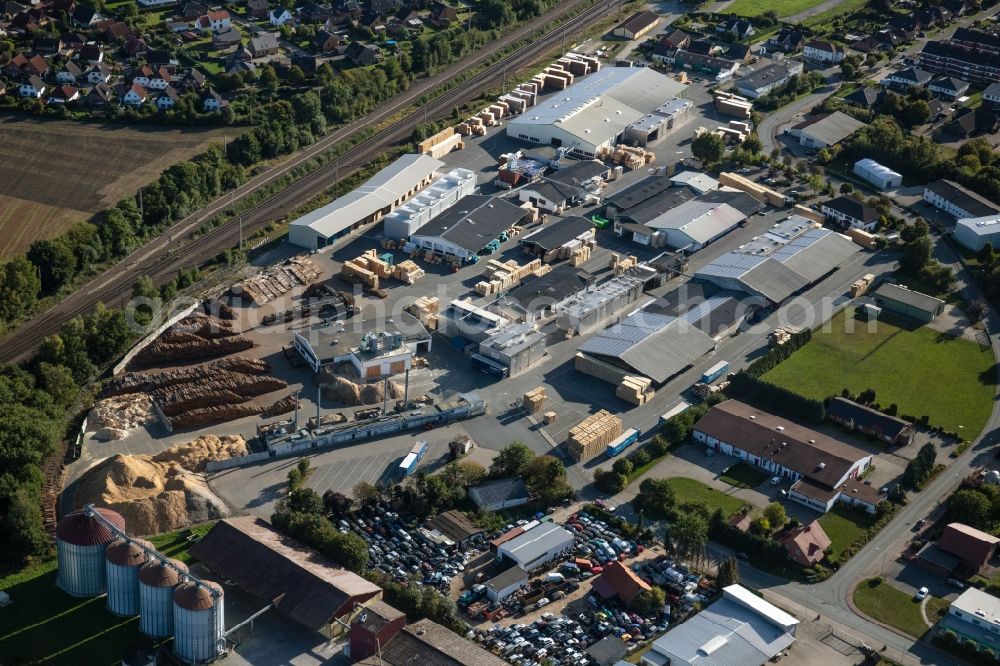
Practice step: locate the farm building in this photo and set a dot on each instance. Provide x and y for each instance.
(591, 115)
(737, 630)
(499, 494)
(908, 303)
(441, 195)
(636, 26)
(386, 642)
(823, 469)
(369, 203)
(825, 129)
(976, 232)
(880, 176)
(656, 346)
(957, 201)
(303, 585)
(468, 227)
(889, 429)
(536, 546)
(792, 255)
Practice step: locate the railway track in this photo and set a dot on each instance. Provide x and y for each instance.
(173, 251)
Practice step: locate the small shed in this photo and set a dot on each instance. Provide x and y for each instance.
(908, 303)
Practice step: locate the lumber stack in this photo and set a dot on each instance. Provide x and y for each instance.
(549, 417)
(425, 309)
(632, 157)
(619, 264)
(636, 390)
(592, 435)
(534, 399)
(580, 255)
(501, 276)
(277, 280)
(407, 272)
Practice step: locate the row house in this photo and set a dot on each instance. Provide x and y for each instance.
(976, 66)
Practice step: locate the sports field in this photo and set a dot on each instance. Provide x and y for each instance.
(924, 372)
(55, 173)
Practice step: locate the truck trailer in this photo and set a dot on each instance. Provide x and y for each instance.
(412, 459)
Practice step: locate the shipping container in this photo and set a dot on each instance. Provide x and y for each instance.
(715, 372)
(413, 458)
(674, 411)
(622, 442)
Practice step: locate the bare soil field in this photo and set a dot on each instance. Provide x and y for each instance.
(55, 173)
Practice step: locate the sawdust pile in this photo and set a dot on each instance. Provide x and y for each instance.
(347, 392)
(163, 492)
(113, 418)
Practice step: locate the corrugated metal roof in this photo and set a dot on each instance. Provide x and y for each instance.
(833, 128)
(815, 253)
(533, 544)
(913, 299)
(701, 221)
(473, 222)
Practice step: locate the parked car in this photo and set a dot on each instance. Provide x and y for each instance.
(954, 582)
(922, 593)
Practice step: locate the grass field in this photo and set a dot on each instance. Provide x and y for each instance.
(44, 624)
(758, 7)
(819, 21)
(891, 606)
(55, 173)
(922, 371)
(844, 527)
(688, 490)
(743, 475)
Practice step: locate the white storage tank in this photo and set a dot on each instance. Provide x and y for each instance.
(156, 597)
(199, 621)
(123, 558)
(80, 544)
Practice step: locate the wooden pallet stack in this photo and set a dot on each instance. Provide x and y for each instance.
(549, 417)
(580, 255)
(534, 399)
(425, 309)
(619, 264)
(633, 158)
(636, 390)
(502, 276)
(592, 435)
(407, 272)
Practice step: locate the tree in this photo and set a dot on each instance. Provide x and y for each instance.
(689, 532)
(622, 466)
(511, 460)
(916, 255)
(846, 188)
(649, 602)
(55, 263)
(915, 113)
(305, 500)
(972, 506)
(728, 573)
(19, 288)
(753, 143)
(609, 482)
(761, 527)
(977, 310)
(656, 497)
(472, 472)
(365, 493)
(775, 514)
(985, 254)
(336, 504)
(349, 550)
(709, 148)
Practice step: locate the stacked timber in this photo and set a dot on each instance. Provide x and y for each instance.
(407, 272)
(636, 390)
(632, 157)
(592, 435)
(502, 276)
(534, 399)
(619, 264)
(580, 255)
(425, 309)
(277, 280)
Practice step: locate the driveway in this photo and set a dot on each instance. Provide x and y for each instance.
(774, 122)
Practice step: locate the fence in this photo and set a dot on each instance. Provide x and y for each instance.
(145, 342)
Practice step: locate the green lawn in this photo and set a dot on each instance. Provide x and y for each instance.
(891, 606)
(758, 7)
(844, 526)
(936, 608)
(924, 372)
(843, 7)
(688, 490)
(44, 624)
(743, 475)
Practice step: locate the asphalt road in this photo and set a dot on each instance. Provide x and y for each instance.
(773, 122)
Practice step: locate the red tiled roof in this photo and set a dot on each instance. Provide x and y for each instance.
(618, 580)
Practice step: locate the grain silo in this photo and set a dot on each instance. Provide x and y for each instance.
(156, 591)
(199, 621)
(80, 543)
(123, 558)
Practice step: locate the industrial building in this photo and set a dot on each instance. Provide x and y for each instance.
(823, 470)
(537, 546)
(499, 494)
(597, 304)
(474, 225)
(538, 296)
(769, 77)
(880, 176)
(789, 257)
(444, 193)
(506, 583)
(649, 188)
(590, 116)
(557, 235)
(511, 351)
(656, 346)
(690, 225)
(975, 232)
(466, 320)
(890, 429)
(825, 129)
(452, 528)
(301, 583)
(958, 201)
(636, 26)
(655, 125)
(739, 629)
(374, 352)
(701, 183)
(369, 203)
(850, 212)
(908, 303)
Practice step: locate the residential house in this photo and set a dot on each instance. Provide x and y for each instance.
(889, 429)
(307, 62)
(152, 4)
(73, 41)
(974, 548)
(280, 16)
(15, 65)
(906, 23)
(212, 101)
(240, 67)
(326, 41)
(385, 7)
(156, 57)
(363, 54)
(866, 44)
(3, 88)
(956, 7)
(890, 38)
(98, 73)
(822, 52)
(909, 77)
(85, 16)
(739, 27)
(92, 53)
(675, 39)
(63, 95)
(865, 97)
(48, 45)
(499, 494)
(850, 212)
(769, 77)
(926, 18)
(978, 40)
(971, 122)
(193, 10)
(738, 52)
(443, 14)
(262, 45)
(258, 8)
(70, 73)
(202, 24)
(152, 79)
(956, 200)
(33, 87)
(637, 25)
(314, 13)
(823, 470)
(117, 31)
(974, 617)
(179, 26)
(806, 544)
(405, 13)
(702, 47)
(226, 39)
(99, 96)
(788, 40)
(167, 99)
(948, 87)
(135, 96)
(134, 46)
(11, 8)
(193, 79)
(991, 96)
(36, 66)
